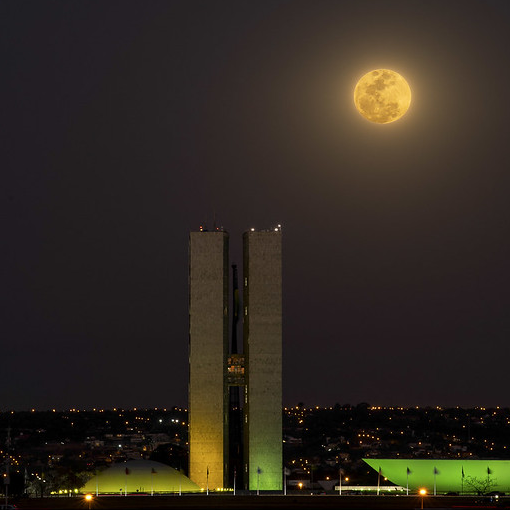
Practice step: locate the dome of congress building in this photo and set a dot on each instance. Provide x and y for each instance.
(139, 476)
(463, 476)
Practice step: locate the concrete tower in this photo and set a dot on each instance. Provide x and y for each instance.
(262, 332)
(208, 348)
(214, 371)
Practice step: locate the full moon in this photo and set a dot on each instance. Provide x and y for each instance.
(382, 96)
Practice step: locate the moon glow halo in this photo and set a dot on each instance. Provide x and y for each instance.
(382, 96)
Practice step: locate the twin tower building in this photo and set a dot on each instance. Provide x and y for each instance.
(235, 398)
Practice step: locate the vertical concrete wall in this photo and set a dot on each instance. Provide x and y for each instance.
(262, 315)
(208, 348)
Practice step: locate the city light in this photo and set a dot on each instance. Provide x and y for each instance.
(88, 499)
(422, 493)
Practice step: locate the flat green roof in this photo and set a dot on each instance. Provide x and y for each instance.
(465, 476)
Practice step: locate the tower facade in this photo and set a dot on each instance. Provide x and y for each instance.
(262, 335)
(208, 348)
(216, 371)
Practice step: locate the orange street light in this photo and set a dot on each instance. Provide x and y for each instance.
(88, 499)
(423, 493)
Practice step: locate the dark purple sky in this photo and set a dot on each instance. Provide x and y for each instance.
(124, 125)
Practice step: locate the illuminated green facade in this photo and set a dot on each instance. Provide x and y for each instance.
(263, 350)
(463, 476)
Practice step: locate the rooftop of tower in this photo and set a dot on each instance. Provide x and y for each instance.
(203, 228)
(278, 228)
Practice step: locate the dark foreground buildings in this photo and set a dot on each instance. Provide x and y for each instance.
(235, 436)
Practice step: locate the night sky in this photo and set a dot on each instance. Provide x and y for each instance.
(124, 125)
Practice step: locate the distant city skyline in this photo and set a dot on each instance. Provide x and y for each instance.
(127, 124)
(317, 443)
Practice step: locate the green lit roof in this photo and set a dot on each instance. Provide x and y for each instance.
(143, 476)
(451, 475)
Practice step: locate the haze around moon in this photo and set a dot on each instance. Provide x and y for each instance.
(382, 96)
